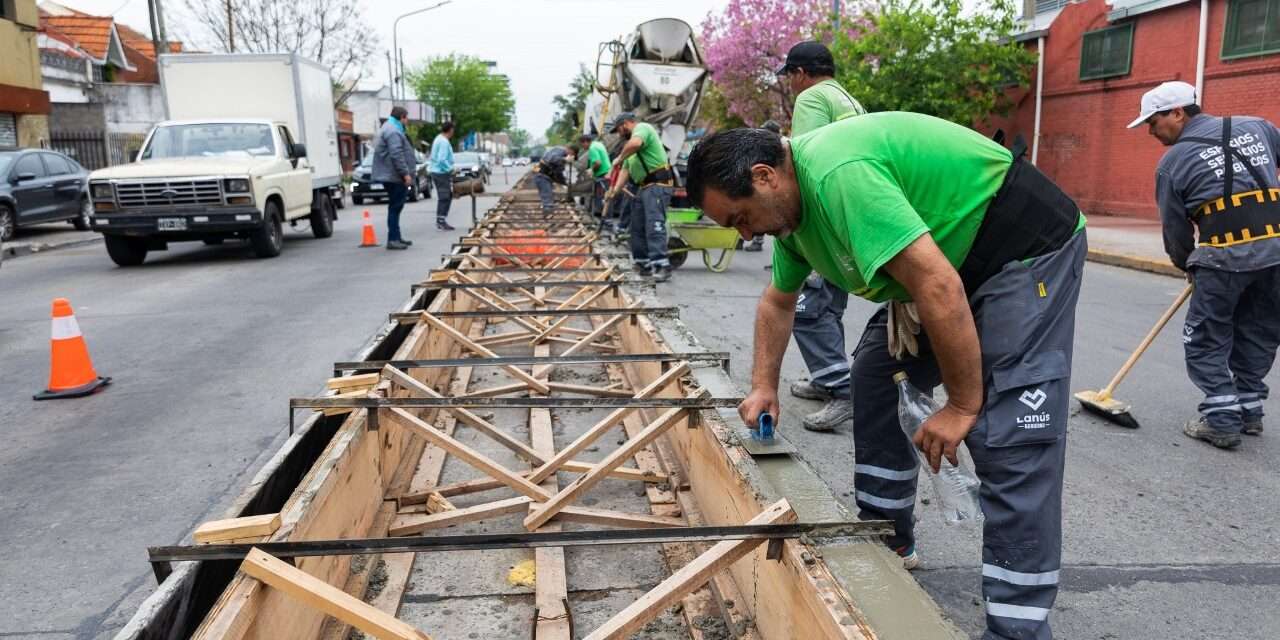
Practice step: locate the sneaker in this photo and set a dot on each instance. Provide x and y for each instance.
(642, 269)
(809, 391)
(836, 412)
(1252, 426)
(407, 242)
(444, 226)
(396, 245)
(910, 559)
(755, 245)
(662, 274)
(1200, 430)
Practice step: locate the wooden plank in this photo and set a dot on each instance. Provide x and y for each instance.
(345, 382)
(358, 581)
(562, 321)
(234, 528)
(689, 577)
(543, 512)
(610, 518)
(588, 390)
(499, 390)
(551, 590)
(479, 485)
(517, 372)
(414, 523)
(586, 340)
(466, 454)
(327, 598)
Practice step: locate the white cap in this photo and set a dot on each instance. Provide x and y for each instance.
(1165, 97)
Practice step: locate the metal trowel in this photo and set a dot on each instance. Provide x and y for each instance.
(763, 440)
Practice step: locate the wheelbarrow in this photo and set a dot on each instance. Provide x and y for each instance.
(687, 233)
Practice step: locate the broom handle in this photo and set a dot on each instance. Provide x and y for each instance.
(1146, 342)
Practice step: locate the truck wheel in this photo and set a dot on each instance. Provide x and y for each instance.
(356, 199)
(322, 217)
(81, 221)
(268, 240)
(126, 251)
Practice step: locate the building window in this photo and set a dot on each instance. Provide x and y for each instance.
(1106, 52)
(1253, 28)
(1045, 6)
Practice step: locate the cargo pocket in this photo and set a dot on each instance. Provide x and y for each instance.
(1027, 401)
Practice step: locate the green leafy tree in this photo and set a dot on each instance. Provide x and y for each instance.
(461, 88)
(570, 106)
(714, 112)
(931, 56)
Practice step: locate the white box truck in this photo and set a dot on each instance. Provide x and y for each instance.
(249, 144)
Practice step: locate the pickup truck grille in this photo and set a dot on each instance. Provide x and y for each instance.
(167, 194)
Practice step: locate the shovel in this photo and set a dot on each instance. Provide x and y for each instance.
(1101, 402)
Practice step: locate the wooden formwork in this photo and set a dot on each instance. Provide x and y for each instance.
(379, 475)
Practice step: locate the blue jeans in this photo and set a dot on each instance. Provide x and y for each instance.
(396, 194)
(444, 195)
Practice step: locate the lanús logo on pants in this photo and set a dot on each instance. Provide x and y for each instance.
(1188, 331)
(1034, 399)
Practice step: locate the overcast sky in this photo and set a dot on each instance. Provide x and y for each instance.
(538, 43)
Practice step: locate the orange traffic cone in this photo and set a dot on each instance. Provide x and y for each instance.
(71, 373)
(368, 239)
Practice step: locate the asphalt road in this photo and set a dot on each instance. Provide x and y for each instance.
(205, 344)
(1165, 537)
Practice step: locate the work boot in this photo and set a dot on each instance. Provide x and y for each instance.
(756, 244)
(809, 391)
(1252, 426)
(396, 245)
(662, 274)
(910, 559)
(407, 242)
(1199, 429)
(836, 412)
(642, 270)
(442, 225)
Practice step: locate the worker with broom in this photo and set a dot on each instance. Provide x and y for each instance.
(909, 208)
(1231, 201)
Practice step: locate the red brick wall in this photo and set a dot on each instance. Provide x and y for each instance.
(1084, 145)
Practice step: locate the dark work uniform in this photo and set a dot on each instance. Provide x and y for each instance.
(1233, 321)
(550, 169)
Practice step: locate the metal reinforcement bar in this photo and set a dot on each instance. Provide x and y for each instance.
(517, 285)
(721, 357)
(657, 312)
(514, 403)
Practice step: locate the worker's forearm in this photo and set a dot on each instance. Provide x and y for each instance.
(633, 145)
(773, 329)
(948, 321)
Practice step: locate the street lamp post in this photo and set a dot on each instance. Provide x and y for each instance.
(395, 45)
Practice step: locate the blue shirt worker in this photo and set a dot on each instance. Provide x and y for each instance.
(1220, 212)
(550, 169)
(394, 166)
(644, 162)
(441, 169)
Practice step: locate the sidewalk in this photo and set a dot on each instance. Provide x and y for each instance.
(1134, 243)
(47, 237)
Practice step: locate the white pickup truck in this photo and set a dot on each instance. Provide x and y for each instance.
(240, 164)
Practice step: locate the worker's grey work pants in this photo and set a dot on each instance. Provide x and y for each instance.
(648, 240)
(546, 192)
(1025, 316)
(1230, 338)
(819, 332)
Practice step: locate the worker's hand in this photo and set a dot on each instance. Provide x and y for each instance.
(609, 195)
(942, 433)
(407, 180)
(760, 399)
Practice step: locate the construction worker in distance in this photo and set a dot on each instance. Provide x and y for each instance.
(987, 253)
(599, 166)
(644, 161)
(819, 325)
(1233, 205)
(550, 169)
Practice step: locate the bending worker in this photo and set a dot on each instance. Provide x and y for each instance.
(644, 161)
(548, 170)
(598, 166)
(917, 211)
(1233, 205)
(819, 323)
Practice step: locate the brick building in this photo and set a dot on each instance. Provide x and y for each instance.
(1100, 57)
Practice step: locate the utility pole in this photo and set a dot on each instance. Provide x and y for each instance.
(164, 40)
(835, 19)
(231, 29)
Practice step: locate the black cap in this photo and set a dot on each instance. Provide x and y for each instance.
(625, 116)
(807, 55)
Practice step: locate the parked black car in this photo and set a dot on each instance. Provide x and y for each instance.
(42, 186)
(363, 188)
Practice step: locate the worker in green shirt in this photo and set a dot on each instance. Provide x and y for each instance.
(819, 322)
(644, 162)
(599, 166)
(980, 257)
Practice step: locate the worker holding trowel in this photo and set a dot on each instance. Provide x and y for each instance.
(1233, 205)
(819, 325)
(988, 254)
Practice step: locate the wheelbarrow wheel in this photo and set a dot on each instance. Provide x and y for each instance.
(677, 251)
(721, 264)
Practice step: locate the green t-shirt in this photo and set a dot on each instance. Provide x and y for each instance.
(871, 185)
(651, 156)
(822, 104)
(597, 153)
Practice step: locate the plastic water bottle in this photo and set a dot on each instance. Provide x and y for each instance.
(956, 486)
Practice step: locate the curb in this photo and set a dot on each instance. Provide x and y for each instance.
(41, 247)
(1137, 263)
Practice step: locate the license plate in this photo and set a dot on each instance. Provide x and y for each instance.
(377, 186)
(172, 224)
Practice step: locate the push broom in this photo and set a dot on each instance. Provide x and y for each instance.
(1101, 402)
